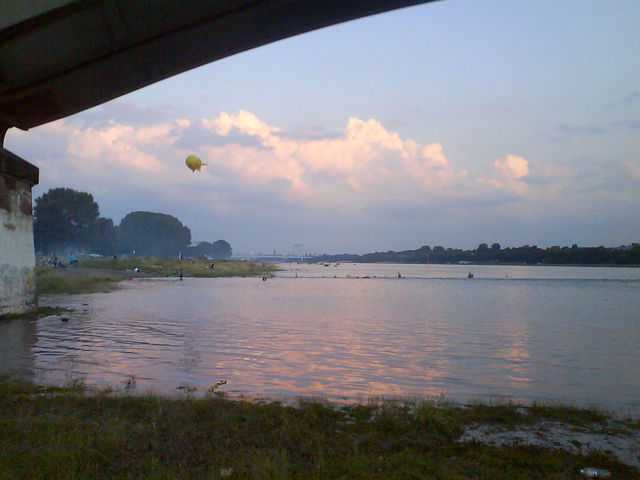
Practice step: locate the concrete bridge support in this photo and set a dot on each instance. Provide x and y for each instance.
(17, 258)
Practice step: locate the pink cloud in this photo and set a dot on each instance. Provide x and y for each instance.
(512, 166)
(364, 165)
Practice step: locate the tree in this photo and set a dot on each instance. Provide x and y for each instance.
(217, 249)
(64, 218)
(106, 240)
(622, 255)
(153, 234)
(221, 249)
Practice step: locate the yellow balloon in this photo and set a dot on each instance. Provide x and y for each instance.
(194, 163)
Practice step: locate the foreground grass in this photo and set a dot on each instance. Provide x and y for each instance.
(67, 433)
(103, 275)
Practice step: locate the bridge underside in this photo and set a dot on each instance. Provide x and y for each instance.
(59, 57)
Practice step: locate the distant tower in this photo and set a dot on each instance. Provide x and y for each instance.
(297, 250)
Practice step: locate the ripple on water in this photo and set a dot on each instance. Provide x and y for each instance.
(566, 334)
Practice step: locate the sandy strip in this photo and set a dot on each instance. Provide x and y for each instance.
(624, 443)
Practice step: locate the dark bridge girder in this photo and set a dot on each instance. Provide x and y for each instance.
(59, 57)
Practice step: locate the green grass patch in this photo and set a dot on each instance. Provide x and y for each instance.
(569, 414)
(103, 275)
(190, 267)
(506, 414)
(510, 414)
(52, 281)
(67, 433)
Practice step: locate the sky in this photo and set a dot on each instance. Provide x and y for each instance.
(452, 123)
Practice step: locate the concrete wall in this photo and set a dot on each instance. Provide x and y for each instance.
(17, 259)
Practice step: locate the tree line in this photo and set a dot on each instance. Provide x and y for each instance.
(68, 220)
(495, 254)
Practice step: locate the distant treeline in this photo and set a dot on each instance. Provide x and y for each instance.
(494, 254)
(65, 220)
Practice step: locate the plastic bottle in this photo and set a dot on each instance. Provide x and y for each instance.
(595, 472)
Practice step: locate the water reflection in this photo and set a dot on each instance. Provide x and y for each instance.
(432, 332)
(17, 338)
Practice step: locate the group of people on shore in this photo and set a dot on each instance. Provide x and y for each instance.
(53, 261)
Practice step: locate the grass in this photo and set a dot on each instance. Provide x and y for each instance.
(52, 281)
(68, 433)
(190, 267)
(510, 414)
(103, 275)
(569, 414)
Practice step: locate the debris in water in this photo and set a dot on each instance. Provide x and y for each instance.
(590, 472)
(218, 384)
(187, 388)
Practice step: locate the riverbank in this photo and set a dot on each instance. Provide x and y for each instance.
(70, 432)
(103, 275)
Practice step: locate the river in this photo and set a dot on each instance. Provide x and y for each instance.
(352, 332)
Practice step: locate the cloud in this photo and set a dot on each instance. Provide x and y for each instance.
(117, 146)
(355, 169)
(631, 98)
(626, 101)
(633, 171)
(626, 124)
(563, 134)
(258, 170)
(512, 166)
(591, 130)
(199, 135)
(550, 174)
(307, 133)
(508, 174)
(124, 112)
(360, 168)
(581, 129)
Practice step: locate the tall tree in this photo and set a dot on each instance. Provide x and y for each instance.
(63, 218)
(217, 249)
(221, 249)
(106, 239)
(153, 234)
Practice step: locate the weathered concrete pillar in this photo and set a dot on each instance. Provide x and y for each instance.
(17, 259)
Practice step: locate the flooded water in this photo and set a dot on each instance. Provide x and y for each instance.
(353, 332)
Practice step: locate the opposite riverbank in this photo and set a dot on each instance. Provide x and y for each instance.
(70, 432)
